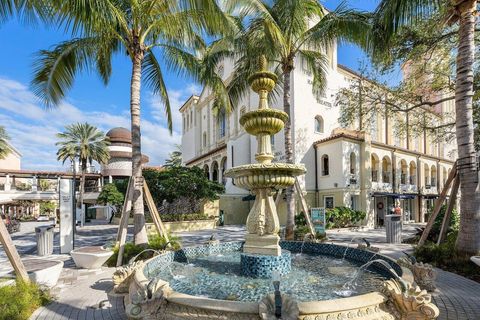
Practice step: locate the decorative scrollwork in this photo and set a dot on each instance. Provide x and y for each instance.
(412, 303)
(121, 276)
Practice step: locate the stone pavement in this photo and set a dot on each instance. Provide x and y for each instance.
(84, 294)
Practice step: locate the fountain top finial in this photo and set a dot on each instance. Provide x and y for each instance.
(262, 80)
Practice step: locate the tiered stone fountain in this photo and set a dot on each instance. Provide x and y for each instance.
(262, 254)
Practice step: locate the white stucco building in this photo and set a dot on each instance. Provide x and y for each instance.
(363, 170)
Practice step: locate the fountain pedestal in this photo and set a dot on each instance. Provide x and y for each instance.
(262, 254)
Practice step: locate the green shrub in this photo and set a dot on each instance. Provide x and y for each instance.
(18, 302)
(437, 225)
(444, 256)
(155, 242)
(341, 217)
(184, 217)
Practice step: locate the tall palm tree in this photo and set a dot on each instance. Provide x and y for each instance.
(29, 10)
(4, 148)
(392, 14)
(137, 28)
(84, 143)
(287, 31)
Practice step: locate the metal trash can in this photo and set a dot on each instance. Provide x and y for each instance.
(393, 228)
(44, 237)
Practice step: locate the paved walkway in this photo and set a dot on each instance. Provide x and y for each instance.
(83, 294)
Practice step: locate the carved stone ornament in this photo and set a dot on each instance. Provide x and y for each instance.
(122, 276)
(424, 276)
(410, 303)
(146, 302)
(423, 273)
(290, 309)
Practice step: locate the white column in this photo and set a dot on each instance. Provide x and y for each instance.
(34, 183)
(66, 214)
(7, 183)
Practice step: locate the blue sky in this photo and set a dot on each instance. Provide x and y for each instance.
(32, 128)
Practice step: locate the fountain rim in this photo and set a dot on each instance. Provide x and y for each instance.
(306, 307)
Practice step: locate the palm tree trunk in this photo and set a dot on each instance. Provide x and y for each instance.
(468, 241)
(288, 153)
(139, 231)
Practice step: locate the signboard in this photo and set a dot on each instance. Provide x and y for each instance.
(66, 216)
(318, 219)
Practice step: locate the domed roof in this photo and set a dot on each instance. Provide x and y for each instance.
(120, 134)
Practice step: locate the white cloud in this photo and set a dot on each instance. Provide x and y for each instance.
(177, 99)
(32, 128)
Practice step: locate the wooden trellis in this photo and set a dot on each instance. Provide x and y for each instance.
(127, 207)
(12, 252)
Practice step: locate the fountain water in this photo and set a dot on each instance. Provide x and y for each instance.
(262, 253)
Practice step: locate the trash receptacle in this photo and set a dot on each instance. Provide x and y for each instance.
(393, 228)
(44, 237)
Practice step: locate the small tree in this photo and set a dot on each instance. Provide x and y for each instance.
(4, 148)
(110, 196)
(47, 207)
(182, 183)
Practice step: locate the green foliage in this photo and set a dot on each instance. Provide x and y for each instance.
(4, 148)
(47, 207)
(84, 142)
(184, 217)
(110, 195)
(44, 185)
(155, 242)
(181, 182)
(341, 217)
(445, 256)
(175, 159)
(22, 186)
(437, 225)
(18, 302)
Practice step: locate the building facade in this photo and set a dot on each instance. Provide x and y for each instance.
(366, 170)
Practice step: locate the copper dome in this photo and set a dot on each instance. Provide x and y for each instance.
(120, 134)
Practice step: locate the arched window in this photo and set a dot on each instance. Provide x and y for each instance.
(353, 163)
(375, 167)
(318, 124)
(222, 124)
(325, 165)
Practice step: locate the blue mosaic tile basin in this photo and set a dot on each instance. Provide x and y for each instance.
(318, 272)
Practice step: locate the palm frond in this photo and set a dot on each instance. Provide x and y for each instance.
(317, 63)
(154, 80)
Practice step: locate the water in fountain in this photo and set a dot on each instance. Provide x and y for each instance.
(348, 247)
(220, 277)
(350, 287)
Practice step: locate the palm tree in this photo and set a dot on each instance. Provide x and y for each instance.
(286, 32)
(392, 14)
(106, 27)
(4, 148)
(85, 143)
(29, 10)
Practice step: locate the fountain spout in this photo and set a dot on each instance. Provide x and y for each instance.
(146, 250)
(278, 299)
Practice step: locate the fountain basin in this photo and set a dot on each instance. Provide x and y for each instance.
(263, 121)
(160, 300)
(265, 175)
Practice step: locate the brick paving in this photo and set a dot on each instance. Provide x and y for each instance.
(83, 294)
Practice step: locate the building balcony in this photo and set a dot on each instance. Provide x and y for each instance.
(382, 186)
(428, 189)
(353, 180)
(408, 188)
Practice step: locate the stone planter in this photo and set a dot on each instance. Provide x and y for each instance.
(43, 272)
(90, 257)
(476, 260)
